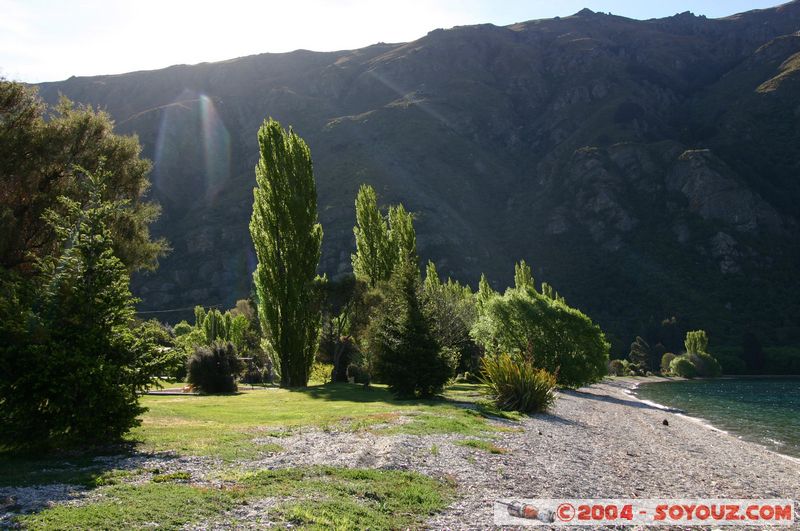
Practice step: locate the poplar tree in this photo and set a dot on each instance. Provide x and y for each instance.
(402, 236)
(523, 277)
(373, 260)
(484, 294)
(287, 238)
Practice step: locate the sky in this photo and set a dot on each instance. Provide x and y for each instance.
(51, 40)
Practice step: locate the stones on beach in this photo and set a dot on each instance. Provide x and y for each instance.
(665, 422)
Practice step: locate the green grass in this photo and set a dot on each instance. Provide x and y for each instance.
(460, 421)
(161, 383)
(481, 444)
(312, 498)
(172, 476)
(224, 426)
(241, 426)
(171, 505)
(327, 498)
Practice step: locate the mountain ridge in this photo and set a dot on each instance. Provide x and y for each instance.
(648, 158)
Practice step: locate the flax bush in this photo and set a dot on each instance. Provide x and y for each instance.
(516, 385)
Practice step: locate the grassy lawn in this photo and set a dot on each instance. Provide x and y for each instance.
(225, 427)
(312, 498)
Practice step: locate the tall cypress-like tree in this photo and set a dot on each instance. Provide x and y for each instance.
(407, 355)
(640, 353)
(402, 236)
(373, 260)
(287, 239)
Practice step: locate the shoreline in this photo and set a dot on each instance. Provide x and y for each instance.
(706, 423)
(603, 442)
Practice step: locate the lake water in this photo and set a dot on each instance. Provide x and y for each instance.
(764, 410)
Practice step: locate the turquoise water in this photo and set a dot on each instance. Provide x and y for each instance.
(764, 410)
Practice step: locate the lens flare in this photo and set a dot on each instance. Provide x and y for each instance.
(193, 148)
(217, 146)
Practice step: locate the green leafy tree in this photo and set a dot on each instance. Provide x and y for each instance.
(342, 300)
(485, 293)
(41, 149)
(199, 316)
(640, 354)
(73, 369)
(214, 326)
(182, 328)
(287, 239)
(213, 369)
(453, 311)
(406, 354)
(373, 260)
(696, 341)
(697, 353)
(666, 361)
(548, 332)
(682, 366)
(550, 292)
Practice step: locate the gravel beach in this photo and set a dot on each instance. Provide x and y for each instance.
(597, 442)
(601, 442)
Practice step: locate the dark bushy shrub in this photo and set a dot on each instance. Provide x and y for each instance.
(682, 366)
(516, 385)
(214, 369)
(666, 360)
(707, 366)
(616, 368)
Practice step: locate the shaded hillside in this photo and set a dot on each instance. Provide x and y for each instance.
(646, 168)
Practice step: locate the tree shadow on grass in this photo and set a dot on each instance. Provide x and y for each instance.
(333, 392)
(82, 468)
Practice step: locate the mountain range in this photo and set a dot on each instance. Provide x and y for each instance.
(645, 168)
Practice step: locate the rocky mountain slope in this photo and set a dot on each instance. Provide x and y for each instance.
(645, 168)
